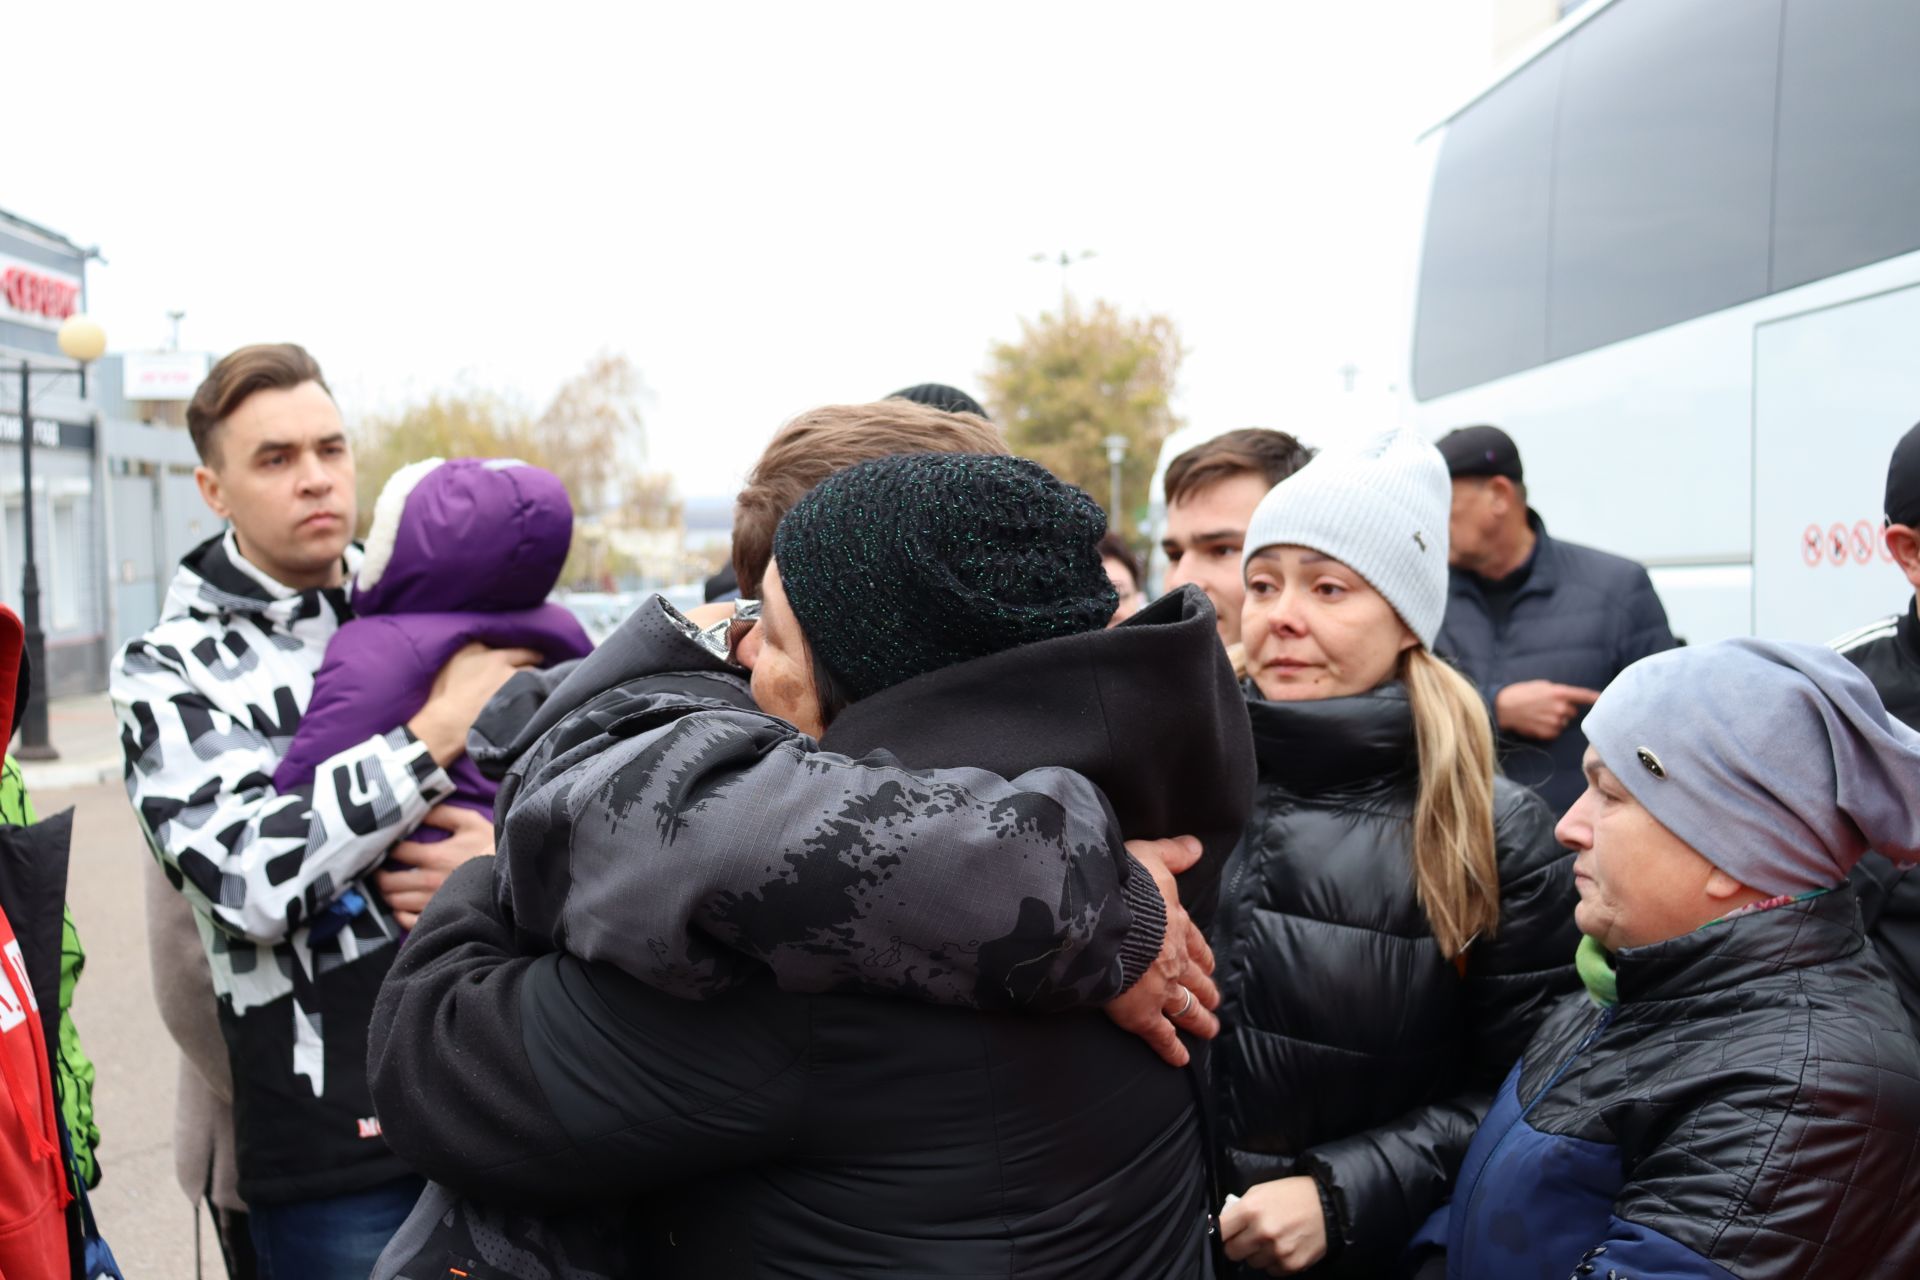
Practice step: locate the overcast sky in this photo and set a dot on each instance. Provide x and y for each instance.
(766, 207)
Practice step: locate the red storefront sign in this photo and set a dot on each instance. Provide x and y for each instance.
(34, 295)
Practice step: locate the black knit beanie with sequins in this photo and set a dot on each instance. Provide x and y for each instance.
(908, 564)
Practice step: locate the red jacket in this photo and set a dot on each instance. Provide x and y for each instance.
(33, 1188)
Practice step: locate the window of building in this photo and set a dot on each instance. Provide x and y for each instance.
(1847, 190)
(65, 569)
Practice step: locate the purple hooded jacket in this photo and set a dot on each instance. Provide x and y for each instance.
(460, 551)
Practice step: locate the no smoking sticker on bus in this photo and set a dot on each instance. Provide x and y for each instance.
(1839, 544)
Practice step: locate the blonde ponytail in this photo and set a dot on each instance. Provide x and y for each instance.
(1454, 867)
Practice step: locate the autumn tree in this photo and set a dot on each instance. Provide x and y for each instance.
(590, 435)
(1075, 378)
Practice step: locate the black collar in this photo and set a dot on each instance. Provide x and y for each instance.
(1742, 950)
(1147, 711)
(1336, 745)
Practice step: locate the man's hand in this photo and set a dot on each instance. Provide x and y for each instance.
(1176, 993)
(471, 677)
(1277, 1227)
(1540, 709)
(430, 863)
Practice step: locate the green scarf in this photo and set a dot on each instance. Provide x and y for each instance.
(1596, 970)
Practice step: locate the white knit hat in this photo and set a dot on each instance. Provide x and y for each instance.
(1380, 509)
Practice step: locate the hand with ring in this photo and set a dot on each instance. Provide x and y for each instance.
(1177, 992)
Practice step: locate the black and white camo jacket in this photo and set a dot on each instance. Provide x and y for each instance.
(680, 834)
(208, 701)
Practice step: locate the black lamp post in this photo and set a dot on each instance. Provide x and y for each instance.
(82, 340)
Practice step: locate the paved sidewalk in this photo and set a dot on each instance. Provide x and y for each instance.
(87, 737)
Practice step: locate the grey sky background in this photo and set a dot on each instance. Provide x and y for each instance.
(766, 207)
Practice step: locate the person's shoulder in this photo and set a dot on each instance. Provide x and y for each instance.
(1523, 829)
(1601, 568)
(1862, 643)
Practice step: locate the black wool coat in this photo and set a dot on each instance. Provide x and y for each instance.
(1353, 1050)
(768, 1133)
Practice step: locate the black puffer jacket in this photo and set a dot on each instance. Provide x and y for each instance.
(1747, 1111)
(1353, 1050)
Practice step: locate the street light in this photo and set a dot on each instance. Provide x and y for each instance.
(82, 341)
(1116, 454)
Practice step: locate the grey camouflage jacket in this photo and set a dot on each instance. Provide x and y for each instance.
(652, 818)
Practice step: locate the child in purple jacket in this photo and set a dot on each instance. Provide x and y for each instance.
(460, 551)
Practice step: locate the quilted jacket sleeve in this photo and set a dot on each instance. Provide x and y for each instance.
(698, 846)
(547, 1080)
(257, 861)
(1386, 1181)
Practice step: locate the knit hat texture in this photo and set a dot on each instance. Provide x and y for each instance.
(911, 563)
(1777, 762)
(1380, 509)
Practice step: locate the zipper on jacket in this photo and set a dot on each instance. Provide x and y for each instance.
(1593, 1033)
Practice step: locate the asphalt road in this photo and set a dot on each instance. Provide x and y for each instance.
(140, 1207)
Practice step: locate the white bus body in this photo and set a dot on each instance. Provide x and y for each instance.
(1676, 254)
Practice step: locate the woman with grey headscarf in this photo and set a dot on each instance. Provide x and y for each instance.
(1738, 1094)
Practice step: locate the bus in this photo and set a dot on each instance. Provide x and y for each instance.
(1675, 252)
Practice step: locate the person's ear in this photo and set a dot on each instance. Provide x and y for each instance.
(209, 481)
(1505, 495)
(1721, 887)
(1903, 543)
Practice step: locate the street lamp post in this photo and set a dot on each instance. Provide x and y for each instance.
(81, 340)
(1116, 454)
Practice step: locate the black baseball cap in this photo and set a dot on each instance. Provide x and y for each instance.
(1903, 480)
(1480, 451)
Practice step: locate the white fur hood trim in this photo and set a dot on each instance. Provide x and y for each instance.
(387, 508)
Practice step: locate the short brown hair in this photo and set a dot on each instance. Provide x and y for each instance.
(1271, 455)
(267, 366)
(817, 444)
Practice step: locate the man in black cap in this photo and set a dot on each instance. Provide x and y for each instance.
(1888, 652)
(1539, 624)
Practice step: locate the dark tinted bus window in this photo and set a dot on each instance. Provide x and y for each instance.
(1483, 270)
(1663, 176)
(1848, 189)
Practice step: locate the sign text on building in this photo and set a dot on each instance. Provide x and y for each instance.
(34, 295)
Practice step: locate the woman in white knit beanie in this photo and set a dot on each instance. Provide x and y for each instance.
(1397, 919)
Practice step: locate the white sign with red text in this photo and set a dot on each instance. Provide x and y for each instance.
(35, 295)
(163, 375)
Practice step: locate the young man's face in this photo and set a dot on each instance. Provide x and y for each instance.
(1205, 533)
(282, 473)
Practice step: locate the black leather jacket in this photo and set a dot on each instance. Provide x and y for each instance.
(1353, 1050)
(1747, 1110)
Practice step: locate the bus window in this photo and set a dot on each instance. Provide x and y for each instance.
(1848, 190)
(1664, 168)
(1483, 274)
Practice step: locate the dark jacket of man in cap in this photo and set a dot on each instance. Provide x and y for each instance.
(1888, 653)
(1567, 614)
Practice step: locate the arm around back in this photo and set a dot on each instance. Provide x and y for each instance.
(552, 1081)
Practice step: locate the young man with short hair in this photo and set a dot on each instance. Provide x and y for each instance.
(1211, 492)
(208, 701)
